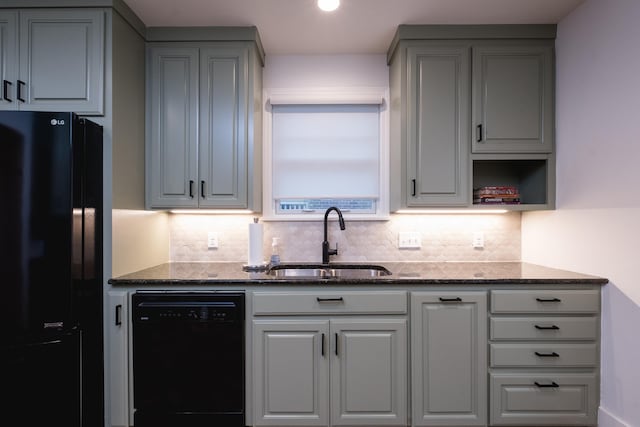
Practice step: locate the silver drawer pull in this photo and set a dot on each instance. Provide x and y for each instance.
(552, 385)
(548, 300)
(547, 328)
(552, 354)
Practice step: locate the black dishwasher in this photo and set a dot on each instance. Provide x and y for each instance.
(188, 359)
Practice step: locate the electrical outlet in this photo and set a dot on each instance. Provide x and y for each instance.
(409, 240)
(212, 240)
(478, 240)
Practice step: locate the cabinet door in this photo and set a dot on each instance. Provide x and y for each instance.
(448, 358)
(172, 127)
(118, 327)
(223, 127)
(368, 372)
(438, 146)
(290, 372)
(513, 99)
(8, 59)
(62, 60)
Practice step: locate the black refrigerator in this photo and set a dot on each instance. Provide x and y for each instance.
(51, 337)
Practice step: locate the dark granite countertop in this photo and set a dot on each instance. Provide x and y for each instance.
(403, 273)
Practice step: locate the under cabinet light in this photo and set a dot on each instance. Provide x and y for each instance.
(451, 211)
(212, 211)
(328, 5)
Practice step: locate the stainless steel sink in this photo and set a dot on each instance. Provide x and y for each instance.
(327, 271)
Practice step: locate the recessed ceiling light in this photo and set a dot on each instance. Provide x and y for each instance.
(328, 5)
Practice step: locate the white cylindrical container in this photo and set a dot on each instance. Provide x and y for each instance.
(256, 257)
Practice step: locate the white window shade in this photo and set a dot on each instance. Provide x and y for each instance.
(326, 151)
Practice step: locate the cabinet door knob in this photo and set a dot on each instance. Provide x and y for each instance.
(202, 190)
(479, 133)
(322, 345)
(191, 188)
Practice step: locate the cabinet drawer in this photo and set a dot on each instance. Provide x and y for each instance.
(324, 302)
(541, 301)
(544, 328)
(533, 355)
(543, 399)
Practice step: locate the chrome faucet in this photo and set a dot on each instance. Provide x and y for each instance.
(326, 251)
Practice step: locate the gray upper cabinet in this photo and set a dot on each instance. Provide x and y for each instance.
(223, 141)
(438, 132)
(203, 129)
(172, 115)
(471, 106)
(513, 99)
(53, 60)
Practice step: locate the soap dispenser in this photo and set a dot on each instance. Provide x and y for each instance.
(275, 251)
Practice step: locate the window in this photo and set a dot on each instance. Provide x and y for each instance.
(323, 151)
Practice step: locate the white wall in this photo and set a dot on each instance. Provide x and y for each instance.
(595, 228)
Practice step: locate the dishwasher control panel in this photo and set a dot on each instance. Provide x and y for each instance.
(189, 307)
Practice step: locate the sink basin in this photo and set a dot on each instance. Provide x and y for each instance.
(327, 271)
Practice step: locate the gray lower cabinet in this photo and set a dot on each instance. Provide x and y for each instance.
(291, 372)
(334, 368)
(448, 358)
(117, 326)
(53, 60)
(544, 357)
(203, 136)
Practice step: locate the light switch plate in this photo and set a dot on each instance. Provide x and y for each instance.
(409, 240)
(212, 240)
(478, 240)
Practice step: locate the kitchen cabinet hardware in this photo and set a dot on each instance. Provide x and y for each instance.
(339, 299)
(191, 188)
(541, 385)
(544, 328)
(118, 314)
(5, 90)
(322, 346)
(202, 189)
(413, 188)
(456, 299)
(552, 354)
(548, 300)
(336, 347)
(479, 133)
(19, 95)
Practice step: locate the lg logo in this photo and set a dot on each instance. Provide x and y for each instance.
(56, 122)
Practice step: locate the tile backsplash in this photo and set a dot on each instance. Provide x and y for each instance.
(444, 238)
